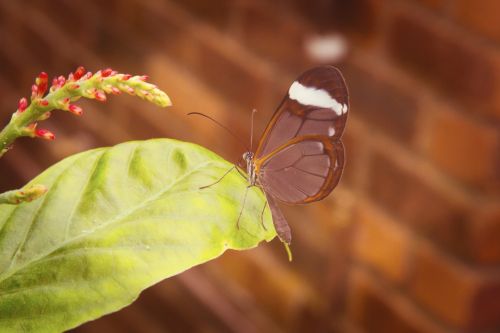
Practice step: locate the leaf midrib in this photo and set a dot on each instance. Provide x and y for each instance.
(14, 270)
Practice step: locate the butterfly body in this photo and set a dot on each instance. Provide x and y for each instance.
(300, 156)
(251, 175)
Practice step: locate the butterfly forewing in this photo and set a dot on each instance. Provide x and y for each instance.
(305, 169)
(316, 104)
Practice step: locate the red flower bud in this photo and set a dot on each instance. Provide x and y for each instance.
(34, 90)
(79, 73)
(58, 82)
(43, 102)
(75, 109)
(115, 91)
(22, 105)
(100, 96)
(144, 78)
(87, 76)
(42, 83)
(73, 86)
(106, 72)
(125, 77)
(44, 134)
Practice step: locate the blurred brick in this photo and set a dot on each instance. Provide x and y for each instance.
(82, 22)
(485, 308)
(178, 309)
(480, 16)
(382, 244)
(433, 4)
(274, 33)
(382, 104)
(181, 86)
(485, 235)
(237, 77)
(7, 68)
(215, 12)
(222, 63)
(354, 148)
(415, 201)
(282, 293)
(358, 17)
(454, 292)
(466, 149)
(379, 310)
(461, 71)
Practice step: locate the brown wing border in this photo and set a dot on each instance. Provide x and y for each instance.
(334, 150)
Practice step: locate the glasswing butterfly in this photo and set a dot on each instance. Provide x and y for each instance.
(300, 156)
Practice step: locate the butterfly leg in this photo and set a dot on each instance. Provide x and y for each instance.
(220, 179)
(242, 206)
(262, 216)
(239, 171)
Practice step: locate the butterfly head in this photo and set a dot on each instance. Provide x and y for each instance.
(248, 156)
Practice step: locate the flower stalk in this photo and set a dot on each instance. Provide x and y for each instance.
(64, 92)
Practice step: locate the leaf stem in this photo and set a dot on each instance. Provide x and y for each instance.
(27, 194)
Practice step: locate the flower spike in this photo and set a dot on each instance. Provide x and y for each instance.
(65, 91)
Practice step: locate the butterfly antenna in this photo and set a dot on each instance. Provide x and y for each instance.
(251, 129)
(224, 127)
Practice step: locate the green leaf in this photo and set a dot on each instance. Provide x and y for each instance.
(115, 221)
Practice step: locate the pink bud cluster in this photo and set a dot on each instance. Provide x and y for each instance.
(64, 91)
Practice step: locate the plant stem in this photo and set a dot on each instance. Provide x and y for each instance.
(14, 129)
(27, 194)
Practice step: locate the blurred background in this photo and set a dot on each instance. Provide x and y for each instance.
(409, 241)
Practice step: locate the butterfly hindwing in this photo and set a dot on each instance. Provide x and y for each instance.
(306, 169)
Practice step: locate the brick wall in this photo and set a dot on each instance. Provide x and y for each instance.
(410, 240)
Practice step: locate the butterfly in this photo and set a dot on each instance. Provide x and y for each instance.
(300, 156)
